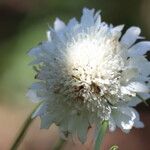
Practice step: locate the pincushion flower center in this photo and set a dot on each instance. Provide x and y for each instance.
(93, 79)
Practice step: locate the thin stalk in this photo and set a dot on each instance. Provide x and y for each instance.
(23, 130)
(59, 145)
(101, 134)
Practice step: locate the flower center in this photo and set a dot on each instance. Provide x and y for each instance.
(93, 75)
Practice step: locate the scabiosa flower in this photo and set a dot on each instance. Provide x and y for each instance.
(89, 72)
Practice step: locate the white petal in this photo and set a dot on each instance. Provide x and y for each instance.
(33, 96)
(72, 124)
(131, 35)
(125, 91)
(112, 124)
(47, 47)
(82, 127)
(128, 74)
(87, 18)
(139, 49)
(97, 19)
(125, 118)
(118, 28)
(46, 121)
(137, 122)
(145, 96)
(40, 90)
(135, 101)
(42, 49)
(40, 110)
(58, 39)
(49, 35)
(59, 25)
(78, 125)
(52, 115)
(73, 22)
(116, 31)
(64, 123)
(35, 51)
(137, 87)
(142, 64)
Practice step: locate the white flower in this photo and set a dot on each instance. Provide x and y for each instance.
(88, 72)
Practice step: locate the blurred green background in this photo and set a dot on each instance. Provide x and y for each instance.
(23, 24)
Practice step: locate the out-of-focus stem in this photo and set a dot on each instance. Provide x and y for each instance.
(22, 132)
(59, 145)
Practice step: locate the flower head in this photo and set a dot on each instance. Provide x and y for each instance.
(88, 72)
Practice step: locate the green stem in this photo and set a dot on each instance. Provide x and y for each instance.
(59, 144)
(101, 134)
(23, 130)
